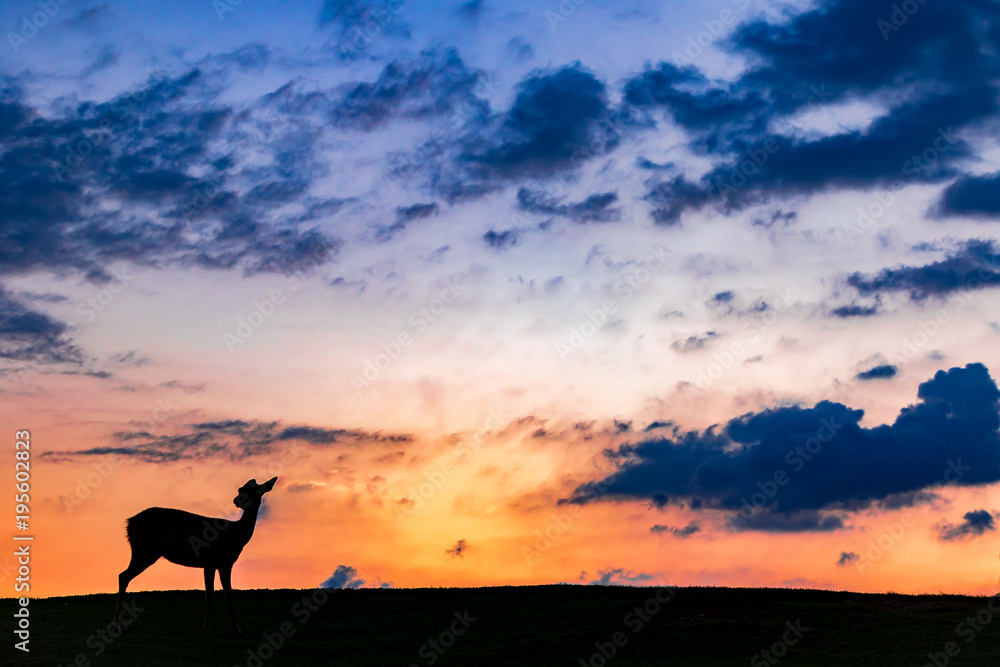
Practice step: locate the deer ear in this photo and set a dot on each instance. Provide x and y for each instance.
(269, 484)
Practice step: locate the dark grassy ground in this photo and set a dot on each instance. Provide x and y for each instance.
(543, 625)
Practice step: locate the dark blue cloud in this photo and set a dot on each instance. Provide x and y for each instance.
(344, 576)
(973, 524)
(472, 10)
(518, 49)
(62, 175)
(847, 557)
(799, 521)
(29, 336)
(854, 310)
(595, 208)
(680, 533)
(501, 240)
(881, 372)
(404, 216)
(723, 297)
(831, 53)
(458, 550)
(356, 23)
(619, 576)
(787, 468)
(436, 83)
(231, 439)
(977, 196)
(658, 424)
(974, 265)
(559, 119)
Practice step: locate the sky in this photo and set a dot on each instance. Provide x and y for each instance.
(638, 293)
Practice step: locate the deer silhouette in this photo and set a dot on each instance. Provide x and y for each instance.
(193, 540)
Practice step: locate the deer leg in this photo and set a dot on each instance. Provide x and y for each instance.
(225, 576)
(138, 563)
(209, 584)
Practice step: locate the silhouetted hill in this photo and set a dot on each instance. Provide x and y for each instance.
(539, 625)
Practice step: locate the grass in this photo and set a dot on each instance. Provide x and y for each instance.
(536, 625)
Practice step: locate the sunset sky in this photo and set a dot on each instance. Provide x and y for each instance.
(626, 292)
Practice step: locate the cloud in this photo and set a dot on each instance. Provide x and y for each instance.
(854, 310)
(881, 372)
(925, 91)
(130, 359)
(974, 524)
(519, 50)
(787, 468)
(680, 533)
(695, 342)
(723, 297)
(458, 550)
(405, 215)
(356, 23)
(846, 558)
(974, 265)
(30, 336)
(471, 10)
(303, 487)
(976, 196)
(501, 240)
(344, 576)
(554, 120)
(162, 175)
(798, 521)
(619, 577)
(595, 208)
(658, 424)
(231, 439)
(436, 83)
(559, 119)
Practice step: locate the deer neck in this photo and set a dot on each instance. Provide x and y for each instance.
(247, 522)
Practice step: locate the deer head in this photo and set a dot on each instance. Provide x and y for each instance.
(251, 492)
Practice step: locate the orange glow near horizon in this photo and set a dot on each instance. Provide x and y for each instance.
(495, 490)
